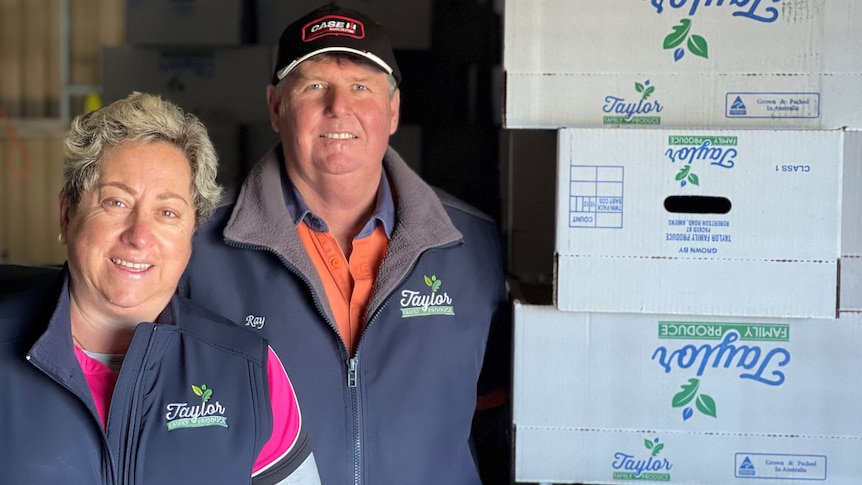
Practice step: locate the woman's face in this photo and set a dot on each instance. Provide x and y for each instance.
(129, 239)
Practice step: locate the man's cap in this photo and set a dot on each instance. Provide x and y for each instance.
(334, 29)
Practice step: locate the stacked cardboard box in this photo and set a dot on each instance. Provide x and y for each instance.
(686, 63)
(203, 56)
(707, 250)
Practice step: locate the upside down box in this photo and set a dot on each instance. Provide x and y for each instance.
(621, 398)
(717, 63)
(219, 83)
(189, 22)
(720, 222)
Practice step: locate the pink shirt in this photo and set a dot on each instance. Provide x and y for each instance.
(285, 408)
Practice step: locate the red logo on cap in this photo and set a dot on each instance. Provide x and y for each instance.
(333, 25)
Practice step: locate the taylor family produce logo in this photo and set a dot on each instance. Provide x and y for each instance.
(718, 151)
(185, 415)
(422, 303)
(683, 38)
(635, 467)
(620, 111)
(696, 44)
(721, 350)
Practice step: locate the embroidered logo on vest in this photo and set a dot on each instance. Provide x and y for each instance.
(185, 415)
(422, 304)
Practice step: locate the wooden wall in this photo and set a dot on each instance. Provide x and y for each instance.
(31, 131)
(29, 215)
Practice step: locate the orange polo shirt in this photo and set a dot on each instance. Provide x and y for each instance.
(347, 282)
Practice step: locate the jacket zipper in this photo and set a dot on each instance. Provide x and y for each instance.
(352, 362)
(352, 383)
(353, 373)
(111, 465)
(132, 431)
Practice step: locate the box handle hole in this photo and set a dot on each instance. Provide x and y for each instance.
(697, 204)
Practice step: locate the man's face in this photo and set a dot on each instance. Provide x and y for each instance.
(129, 239)
(335, 117)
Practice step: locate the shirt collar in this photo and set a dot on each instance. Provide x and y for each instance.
(384, 212)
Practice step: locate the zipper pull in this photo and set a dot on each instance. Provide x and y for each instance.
(351, 372)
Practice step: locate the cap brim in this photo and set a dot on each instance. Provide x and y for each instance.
(368, 55)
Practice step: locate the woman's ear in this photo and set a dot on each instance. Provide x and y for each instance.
(65, 209)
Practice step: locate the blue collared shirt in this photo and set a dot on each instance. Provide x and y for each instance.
(384, 212)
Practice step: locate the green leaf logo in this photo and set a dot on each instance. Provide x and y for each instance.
(654, 446)
(645, 89)
(706, 405)
(687, 394)
(203, 392)
(680, 34)
(685, 175)
(697, 46)
(433, 282)
(703, 402)
(175, 84)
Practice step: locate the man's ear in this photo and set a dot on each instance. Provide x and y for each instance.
(272, 101)
(395, 109)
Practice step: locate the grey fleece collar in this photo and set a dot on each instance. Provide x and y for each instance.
(421, 223)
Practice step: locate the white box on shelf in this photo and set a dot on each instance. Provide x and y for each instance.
(722, 222)
(735, 64)
(611, 398)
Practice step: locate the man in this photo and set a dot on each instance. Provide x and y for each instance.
(385, 299)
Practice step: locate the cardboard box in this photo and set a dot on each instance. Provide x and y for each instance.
(227, 83)
(851, 230)
(407, 23)
(225, 136)
(745, 223)
(257, 139)
(189, 22)
(622, 398)
(745, 64)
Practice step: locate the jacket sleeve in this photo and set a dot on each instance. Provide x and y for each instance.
(491, 431)
(287, 457)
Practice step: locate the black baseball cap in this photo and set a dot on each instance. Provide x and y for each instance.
(334, 29)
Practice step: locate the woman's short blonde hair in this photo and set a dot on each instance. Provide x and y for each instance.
(140, 118)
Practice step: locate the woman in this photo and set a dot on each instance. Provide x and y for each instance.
(107, 375)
